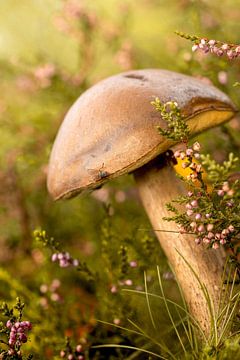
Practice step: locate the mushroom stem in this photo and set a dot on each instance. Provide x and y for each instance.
(158, 187)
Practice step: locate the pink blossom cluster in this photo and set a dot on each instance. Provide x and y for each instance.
(50, 292)
(202, 225)
(18, 332)
(75, 355)
(187, 156)
(64, 259)
(217, 47)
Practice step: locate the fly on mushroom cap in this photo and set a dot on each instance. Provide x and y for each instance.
(111, 128)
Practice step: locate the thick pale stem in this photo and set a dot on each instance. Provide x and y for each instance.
(156, 188)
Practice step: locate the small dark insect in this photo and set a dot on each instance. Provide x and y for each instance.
(100, 173)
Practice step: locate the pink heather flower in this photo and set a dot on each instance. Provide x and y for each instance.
(189, 212)
(223, 77)
(188, 206)
(196, 146)
(194, 203)
(201, 228)
(194, 47)
(184, 165)
(189, 152)
(237, 49)
(113, 289)
(208, 216)
(206, 240)
(133, 264)
(198, 241)
(230, 203)
(177, 154)
(217, 236)
(225, 232)
(79, 348)
(198, 216)
(220, 193)
(225, 186)
(231, 228)
(182, 155)
(62, 354)
(197, 155)
(215, 246)
(54, 257)
(212, 42)
(210, 235)
(225, 47)
(223, 241)
(193, 165)
(128, 282)
(215, 50)
(116, 321)
(190, 193)
(75, 262)
(8, 324)
(219, 52)
(209, 227)
(230, 192)
(230, 54)
(70, 357)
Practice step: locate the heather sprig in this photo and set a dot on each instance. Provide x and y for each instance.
(15, 331)
(177, 128)
(63, 258)
(216, 47)
(72, 353)
(212, 209)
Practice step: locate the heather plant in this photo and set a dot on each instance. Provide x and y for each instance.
(14, 332)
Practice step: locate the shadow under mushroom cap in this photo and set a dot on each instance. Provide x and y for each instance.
(111, 129)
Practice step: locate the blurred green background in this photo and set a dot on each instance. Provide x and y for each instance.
(50, 52)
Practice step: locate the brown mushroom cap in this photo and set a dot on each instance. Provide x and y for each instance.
(111, 129)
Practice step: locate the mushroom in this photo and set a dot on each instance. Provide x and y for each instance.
(111, 130)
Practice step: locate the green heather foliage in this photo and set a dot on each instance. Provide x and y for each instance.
(102, 287)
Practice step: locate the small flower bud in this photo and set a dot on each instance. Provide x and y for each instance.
(62, 354)
(208, 215)
(212, 42)
(206, 240)
(198, 241)
(209, 227)
(194, 47)
(220, 193)
(189, 152)
(231, 228)
(210, 235)
(54, 257)
(182, 155)
(194, 203)
(190, 193)
(128, 282)
(133, 264)
(198, 216)
(79, 348)
(189, 212)
(196, 146)
(215, 246)
(177, 154)
(201, 228)
(225, 47)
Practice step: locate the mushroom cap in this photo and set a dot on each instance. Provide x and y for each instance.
(111, 128)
